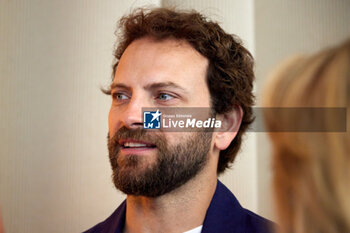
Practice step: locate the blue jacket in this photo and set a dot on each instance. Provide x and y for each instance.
(224, 215)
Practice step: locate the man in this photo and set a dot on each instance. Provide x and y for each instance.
(167, 58)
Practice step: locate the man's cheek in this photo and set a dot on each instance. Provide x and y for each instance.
(113, 124)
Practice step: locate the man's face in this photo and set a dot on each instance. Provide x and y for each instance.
(154, 74)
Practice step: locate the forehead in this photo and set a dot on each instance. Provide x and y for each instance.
(146, 59)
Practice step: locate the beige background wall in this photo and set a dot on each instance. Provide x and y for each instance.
(54, 56)
(54, 168)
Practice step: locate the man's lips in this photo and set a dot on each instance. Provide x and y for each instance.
(136, 147)
(135, 144)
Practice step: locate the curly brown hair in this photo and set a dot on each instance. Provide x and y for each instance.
(230, 72)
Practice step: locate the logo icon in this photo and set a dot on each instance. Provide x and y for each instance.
(151, 120)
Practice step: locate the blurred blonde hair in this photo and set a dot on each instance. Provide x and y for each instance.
(311, 170)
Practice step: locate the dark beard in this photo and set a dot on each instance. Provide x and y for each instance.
(174, 165)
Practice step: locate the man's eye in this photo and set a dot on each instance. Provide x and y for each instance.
(165, 96)
(119, 96)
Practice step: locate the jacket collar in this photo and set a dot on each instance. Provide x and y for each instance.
(224, 213)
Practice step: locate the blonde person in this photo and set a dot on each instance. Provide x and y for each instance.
(311, 169)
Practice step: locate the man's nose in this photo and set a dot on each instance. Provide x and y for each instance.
(132, 116)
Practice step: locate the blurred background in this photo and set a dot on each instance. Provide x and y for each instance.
(55, 55)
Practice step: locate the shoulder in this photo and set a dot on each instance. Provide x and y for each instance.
(226, 215)
(256, 223)
(113, 223)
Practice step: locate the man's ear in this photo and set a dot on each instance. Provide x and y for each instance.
(231, 122)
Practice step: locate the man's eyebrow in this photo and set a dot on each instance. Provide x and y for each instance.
(151, 86)
(164, 85)
(119, 85)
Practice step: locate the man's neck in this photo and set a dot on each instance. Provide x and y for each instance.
(177, 211)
